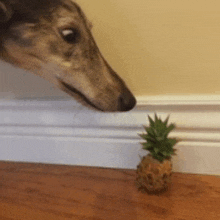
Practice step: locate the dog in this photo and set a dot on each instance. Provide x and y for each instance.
(53, 39)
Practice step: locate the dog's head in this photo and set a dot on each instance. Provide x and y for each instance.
(39, 34)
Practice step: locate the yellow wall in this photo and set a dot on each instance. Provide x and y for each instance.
(160, 46)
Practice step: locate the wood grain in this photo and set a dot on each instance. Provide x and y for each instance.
(51, 192)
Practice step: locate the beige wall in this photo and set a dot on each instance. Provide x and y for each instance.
(160, 46)
(157, 46)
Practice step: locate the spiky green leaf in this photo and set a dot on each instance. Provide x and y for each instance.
(146, 145)
(166, 121)
(156, 118)
(170, 128)
(151, 121)
(172, 141)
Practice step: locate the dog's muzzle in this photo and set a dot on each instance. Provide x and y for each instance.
(125, 102)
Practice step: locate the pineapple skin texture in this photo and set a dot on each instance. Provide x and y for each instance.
(152, 175)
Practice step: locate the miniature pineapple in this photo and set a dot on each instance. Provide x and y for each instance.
(155, 169)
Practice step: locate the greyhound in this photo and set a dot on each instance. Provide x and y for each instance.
(35, 34)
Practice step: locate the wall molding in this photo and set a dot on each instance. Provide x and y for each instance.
(64, 132)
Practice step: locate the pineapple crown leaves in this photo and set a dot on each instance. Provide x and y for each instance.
(157, 141)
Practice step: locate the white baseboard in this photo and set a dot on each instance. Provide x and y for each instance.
(64, 132)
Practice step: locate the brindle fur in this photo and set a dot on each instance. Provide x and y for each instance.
(30, 39)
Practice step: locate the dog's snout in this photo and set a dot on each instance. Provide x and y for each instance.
(126, 102)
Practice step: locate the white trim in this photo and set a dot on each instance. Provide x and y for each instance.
(64, 132)
(180, 99)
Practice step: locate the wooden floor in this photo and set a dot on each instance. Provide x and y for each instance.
(38, 192)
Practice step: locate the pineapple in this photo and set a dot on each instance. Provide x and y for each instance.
(155, 169)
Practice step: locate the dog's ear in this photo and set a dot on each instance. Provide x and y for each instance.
(5, 12)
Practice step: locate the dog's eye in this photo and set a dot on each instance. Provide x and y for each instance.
(71, 35)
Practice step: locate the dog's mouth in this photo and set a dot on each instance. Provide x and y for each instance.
(73, 91)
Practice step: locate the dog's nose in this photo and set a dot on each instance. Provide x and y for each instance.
(126, 102)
